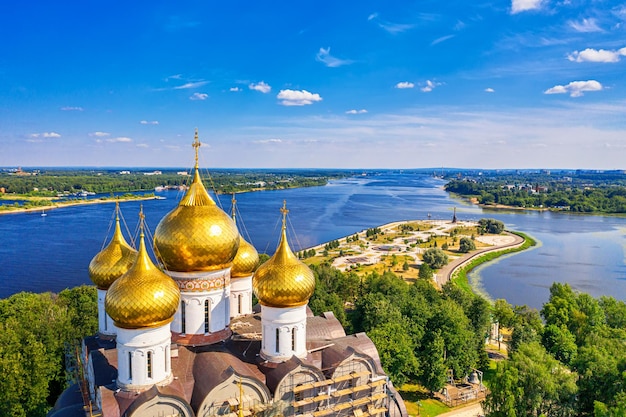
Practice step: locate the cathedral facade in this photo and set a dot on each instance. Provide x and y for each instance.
(183, 339)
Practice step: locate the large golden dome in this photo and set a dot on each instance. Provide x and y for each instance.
(246, 260)
(283, 281)
(144, 296)
(113, 261)
(197, 235)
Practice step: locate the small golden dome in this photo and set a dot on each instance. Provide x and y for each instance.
(113, 261)
(283, 281)
(197, 235)
(144, 296)
(246, 260)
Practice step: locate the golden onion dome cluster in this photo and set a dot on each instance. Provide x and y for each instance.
(143, 297)
(197, 235)
(113, 261)
(246, 260)
(284, 280)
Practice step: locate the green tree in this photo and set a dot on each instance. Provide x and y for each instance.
(396, 350)
(425, 272)
(466, 245)
(435, 258)
(532, 383)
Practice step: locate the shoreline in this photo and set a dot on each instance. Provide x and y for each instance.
(72, 204)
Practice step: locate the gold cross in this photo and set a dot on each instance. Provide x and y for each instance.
(284, 210)
(234, 208)
(196, 144)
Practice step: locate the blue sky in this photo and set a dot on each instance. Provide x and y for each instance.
(344, 84)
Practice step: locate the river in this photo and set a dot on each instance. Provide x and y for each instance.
(53, 252)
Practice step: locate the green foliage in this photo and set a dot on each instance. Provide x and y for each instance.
(425, 272)
(435, 258)
(492, 226)
(35, 330)
(532, 383)
(466, 245)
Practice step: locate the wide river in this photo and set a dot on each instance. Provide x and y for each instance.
(53, 252)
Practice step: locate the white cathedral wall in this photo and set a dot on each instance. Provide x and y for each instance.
(290, 323)
(143, 356)
(240, 296)
(195, 289)
(105, 323)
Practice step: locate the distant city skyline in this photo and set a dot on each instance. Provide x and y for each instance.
(314, 84)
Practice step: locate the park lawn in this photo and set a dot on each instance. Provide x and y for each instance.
(429, 407)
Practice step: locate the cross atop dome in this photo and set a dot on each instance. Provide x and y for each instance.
(284, 211)
(196, 145)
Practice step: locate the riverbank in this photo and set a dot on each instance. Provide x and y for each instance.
(72, 203)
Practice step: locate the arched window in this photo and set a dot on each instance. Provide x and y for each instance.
(149, 364)
(294, 332)
(183, 327)
(130, 365)
(239, 303)
(277, 340)
(207, 315)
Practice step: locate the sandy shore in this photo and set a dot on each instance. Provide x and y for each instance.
(71, 204)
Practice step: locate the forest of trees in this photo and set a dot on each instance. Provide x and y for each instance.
(51, 182)
(577, 197)
(36, 332)
(571, 363)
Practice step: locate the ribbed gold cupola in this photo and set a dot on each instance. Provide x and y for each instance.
(197, 235)
(114, 260)
(247, 258)
(144, 296)
(283, 281)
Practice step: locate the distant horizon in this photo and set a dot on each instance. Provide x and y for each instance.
(530, 83)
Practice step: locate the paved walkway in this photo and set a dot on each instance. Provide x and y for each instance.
(471, 410)
(445, 273)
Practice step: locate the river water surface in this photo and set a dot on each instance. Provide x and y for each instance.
(53, 252)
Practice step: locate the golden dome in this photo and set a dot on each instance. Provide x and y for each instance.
(144, 296)
(283, 281)
(197, 235)
(246, 260)
(113, 261)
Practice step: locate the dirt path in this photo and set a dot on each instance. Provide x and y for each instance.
(471, 410)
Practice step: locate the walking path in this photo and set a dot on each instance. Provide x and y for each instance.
(445, 274)
(471, 410)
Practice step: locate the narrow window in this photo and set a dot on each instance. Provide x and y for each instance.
(207, 315)
(149, 364)
(239, 303)
(183, 327)
(105, 323)
(130, 365)
(277, 340)
(294, 332)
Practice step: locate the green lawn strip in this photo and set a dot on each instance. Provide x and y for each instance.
(428, 407)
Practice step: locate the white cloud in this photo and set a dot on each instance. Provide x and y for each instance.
(194, 84)
(70, 108)
(430, 86)
(597, 55)
(489, 90)
(297, 97)
(46, 135)
(121, 139)
(327, 59)
(585, 26)
(99, 134)
(524, 5)
(268, 141)
(262, 87)
(575, 88)
(234, 89)
(174, 77)
(442, 39)
(142, 145)
(362, 111)
(146, 122)
(405, 84)
(393, 28)
(198, 96)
